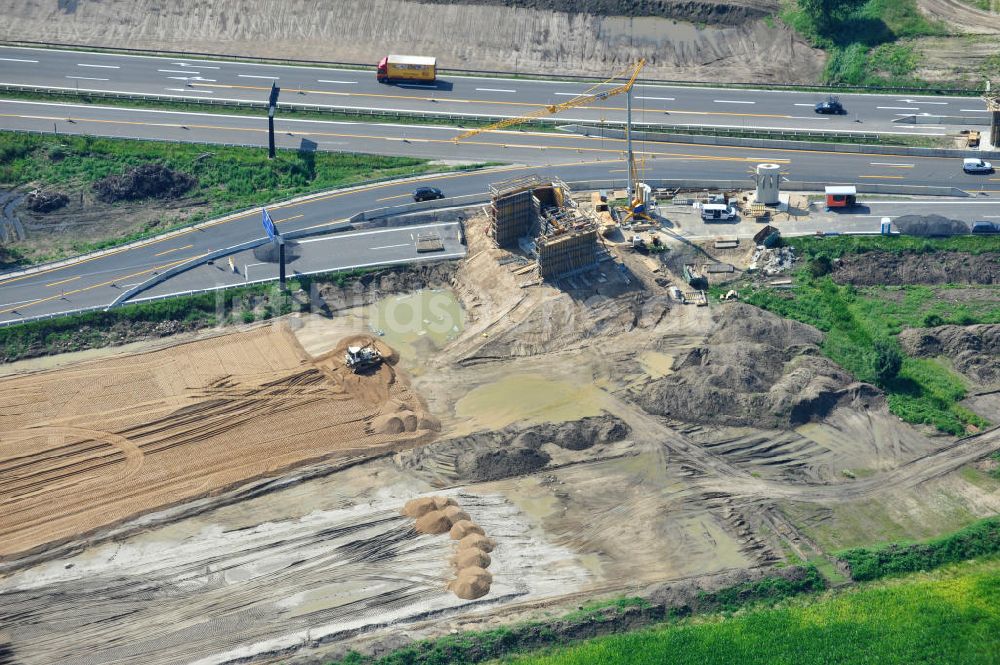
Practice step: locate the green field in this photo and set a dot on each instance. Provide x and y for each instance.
(949, 617)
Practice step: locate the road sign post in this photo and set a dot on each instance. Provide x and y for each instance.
(276, 238)
(272, 104)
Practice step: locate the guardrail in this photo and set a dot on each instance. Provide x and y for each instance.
(365, 66)
(786, 144)
(792, 186)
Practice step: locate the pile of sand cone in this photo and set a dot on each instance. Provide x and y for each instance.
(438, 514)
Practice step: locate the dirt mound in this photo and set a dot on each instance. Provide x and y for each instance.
(476, 541)
(754, 369)
(143, 182)
(463, 528)
(388, 424)
(512, 451)
(433, 522)
(930, 225)
(874, 268)
(471, 557)
(419, 507)
(471, 583)
(45, 200)
(973, 350)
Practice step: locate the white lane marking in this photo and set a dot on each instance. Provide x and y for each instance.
(992, 216)
(177, 71)
(805, 105)
(206, 92)
(973, 110)
(901, 166)
(19, 302)
(192, 78)
(405, 244)
(199, 65)
(333, 81)
(254, 76)
(659, 99)
(920, 101)
(80, 64)
(898, 108)
(731, 101)
(569, 94)
(17, 60)
(86, 78)
(495, 90)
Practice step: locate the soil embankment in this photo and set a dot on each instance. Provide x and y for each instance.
(725, 41)
(885, 268)
(973, 350)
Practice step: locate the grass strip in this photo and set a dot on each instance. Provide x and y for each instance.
(976, 540)
(948, 617)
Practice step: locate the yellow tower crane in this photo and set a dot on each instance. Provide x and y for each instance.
(636, 208)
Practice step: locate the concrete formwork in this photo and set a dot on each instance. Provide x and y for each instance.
(558, 255)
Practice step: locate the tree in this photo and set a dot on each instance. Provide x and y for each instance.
(821, 265)
(888, 361)
(821, 12)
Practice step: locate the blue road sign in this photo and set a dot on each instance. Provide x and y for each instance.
(272, 232)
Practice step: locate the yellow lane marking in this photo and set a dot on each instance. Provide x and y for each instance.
(378, 95)
(389, 198)
(175, 249)
(63, 281)
(97, 286)
(890, 177)
(288, 219)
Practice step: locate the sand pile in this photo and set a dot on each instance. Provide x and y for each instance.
(973, 350)
(436, 515)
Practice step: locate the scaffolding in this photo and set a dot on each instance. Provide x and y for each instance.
(514, 209)
(566, 253)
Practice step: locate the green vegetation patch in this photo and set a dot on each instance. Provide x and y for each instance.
(861, 323)
(948, 617)
(977, 540)
(862, 38)
(228, 179)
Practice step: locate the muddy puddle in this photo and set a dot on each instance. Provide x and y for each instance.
(528, 398)
(657, 365)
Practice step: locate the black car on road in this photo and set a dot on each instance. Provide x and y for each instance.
(427, 194)
(831, 106)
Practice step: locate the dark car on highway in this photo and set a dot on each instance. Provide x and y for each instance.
(831, 106)
(427, 194)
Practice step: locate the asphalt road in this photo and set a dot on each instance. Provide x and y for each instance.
(662, 160)
(354, 88)
(98, 281)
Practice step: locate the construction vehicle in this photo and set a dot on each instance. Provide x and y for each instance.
(639, 194)
(412, 68)
(361, 358)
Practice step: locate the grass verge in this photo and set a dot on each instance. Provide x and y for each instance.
(867, 40)
(98, 329)
(948, 617)
(228, 179)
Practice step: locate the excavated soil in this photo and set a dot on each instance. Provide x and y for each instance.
(755, 369)
(875, 268)
(108, 440)
(507, 39)
(735, 12)
(973, 350)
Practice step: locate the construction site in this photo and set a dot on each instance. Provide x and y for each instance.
(558, 420)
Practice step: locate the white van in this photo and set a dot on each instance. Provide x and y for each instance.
(976, 165)
(717, 212)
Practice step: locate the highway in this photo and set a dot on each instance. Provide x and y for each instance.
(190, 78)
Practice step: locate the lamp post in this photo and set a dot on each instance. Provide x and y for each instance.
(272, 104)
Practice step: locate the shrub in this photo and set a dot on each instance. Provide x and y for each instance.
(979, 539)
(888, 361)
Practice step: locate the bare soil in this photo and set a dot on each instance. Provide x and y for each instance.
(548, 446)
(874, 268)
(973, 350)
(742, 47)
(108, 440)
